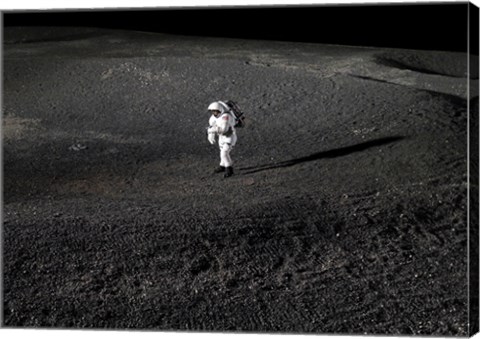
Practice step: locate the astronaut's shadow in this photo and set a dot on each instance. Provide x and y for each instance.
(333, 153)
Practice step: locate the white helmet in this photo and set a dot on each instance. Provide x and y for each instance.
(215, 106)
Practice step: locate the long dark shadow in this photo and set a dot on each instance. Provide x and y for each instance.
(338, 152)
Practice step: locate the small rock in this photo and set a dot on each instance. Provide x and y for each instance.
(77, 147)
(248, 181)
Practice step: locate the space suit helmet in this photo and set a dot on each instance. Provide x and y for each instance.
(215, 106)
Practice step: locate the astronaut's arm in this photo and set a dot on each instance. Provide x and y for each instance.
(223, 125)
(212, 129)
(211, 133)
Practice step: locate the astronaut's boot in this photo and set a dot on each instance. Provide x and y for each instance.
(228, 172)
(219, 169)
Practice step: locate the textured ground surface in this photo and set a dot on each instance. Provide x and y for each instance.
(347, 213)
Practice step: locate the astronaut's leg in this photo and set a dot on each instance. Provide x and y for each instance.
(220, 168)
(225, 158)
(222, 157)
(225, 150)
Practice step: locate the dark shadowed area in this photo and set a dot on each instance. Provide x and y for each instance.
(441, 27)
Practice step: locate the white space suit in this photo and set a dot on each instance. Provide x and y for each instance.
(222, 124)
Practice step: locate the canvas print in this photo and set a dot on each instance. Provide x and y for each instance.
(251, 169)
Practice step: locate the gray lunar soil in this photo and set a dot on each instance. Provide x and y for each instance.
(347, 212)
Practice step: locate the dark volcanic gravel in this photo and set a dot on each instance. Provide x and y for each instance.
(347, 212)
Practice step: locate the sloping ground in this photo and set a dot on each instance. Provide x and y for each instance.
(347, 213)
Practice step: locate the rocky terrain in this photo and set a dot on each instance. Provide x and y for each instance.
(347, 212)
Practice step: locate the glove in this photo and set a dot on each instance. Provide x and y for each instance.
(211, 138)
(211, 135)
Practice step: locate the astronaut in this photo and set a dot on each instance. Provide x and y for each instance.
(222, 123)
